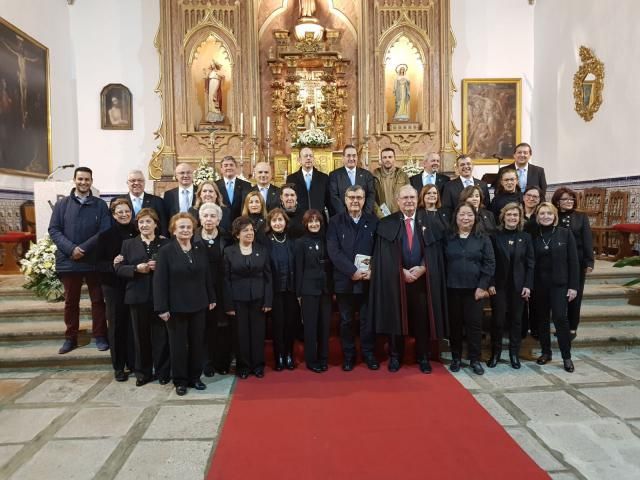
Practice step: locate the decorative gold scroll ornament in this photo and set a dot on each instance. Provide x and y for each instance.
(588, 83)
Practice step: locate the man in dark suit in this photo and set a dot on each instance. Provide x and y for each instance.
(528, 175)
(139, 199)
(183, 197)
(430, 175)
(349, 234)
(270, 193)
(350, 174)
(312, 186)
(233, 189)
(452, 189)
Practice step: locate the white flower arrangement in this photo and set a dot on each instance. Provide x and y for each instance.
(412, 167)
(312, 138)
(204, 173)
(39, 268)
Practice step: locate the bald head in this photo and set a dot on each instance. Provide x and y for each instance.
(184, 174)
(262, 173)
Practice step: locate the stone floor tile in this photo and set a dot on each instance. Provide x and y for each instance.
(629, 367)
(608, 353)
(218, 387)
(551, 407)
(69, 374)
(503, 376)
(185, 421)
(465, 379)
(19, 374)
(9, 387)
(167, 460)
(7, 452)
(68, 460)
(563, 476)
(622, 401)
(58, 391)
(126, 393)
(21, 425)
(495, 409)
(100, 422)
(584, 373)
(534, 449)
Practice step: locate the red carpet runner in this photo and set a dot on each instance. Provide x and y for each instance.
(363, 425)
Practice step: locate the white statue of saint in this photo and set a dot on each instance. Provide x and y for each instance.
(307, 8)
(402, 93)
(213, 93)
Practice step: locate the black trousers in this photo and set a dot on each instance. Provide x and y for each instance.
(465, 312)
(119, 328)
(151, 343)
(348, 304)
(283, 317)
(418, 322)
(185, 343)
(218, 340)
(502, 303)
(551, 301)
(576, 305)
(250, 327)
(316, 316)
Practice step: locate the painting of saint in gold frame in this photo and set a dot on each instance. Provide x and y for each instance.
(491, 118)
(115, 107)
(25, 139)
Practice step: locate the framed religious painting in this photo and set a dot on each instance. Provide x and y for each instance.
(25, 130)
(491, 118)
(115, 107)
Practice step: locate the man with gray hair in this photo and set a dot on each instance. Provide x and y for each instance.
(139, 199)
(430, 174)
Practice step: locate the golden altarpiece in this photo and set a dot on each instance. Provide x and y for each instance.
(248, 78)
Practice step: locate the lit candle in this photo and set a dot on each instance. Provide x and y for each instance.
(268, 126)
(366, 128)
(254, 126)
(241, 123)
(353, 125)
(377, 129)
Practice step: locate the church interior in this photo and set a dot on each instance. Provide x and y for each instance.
(151, 84)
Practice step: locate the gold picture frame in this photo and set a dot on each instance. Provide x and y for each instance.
(25, 119)
(491, 118)
(588, 83)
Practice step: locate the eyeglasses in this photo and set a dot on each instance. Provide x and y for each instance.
(534, 197)
(355, 197)
(135, 181)
(567, 200)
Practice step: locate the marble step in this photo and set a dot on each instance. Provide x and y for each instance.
(28, 309)
(44, 353)
(610, 294)
(39, 330)
(605, 333)
(605, 273)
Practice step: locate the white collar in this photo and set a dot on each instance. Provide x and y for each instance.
(188, 189)
(350, 169)
(133, 197)
(305, 173)
(265, 188)
(404, 217)
(525, 168)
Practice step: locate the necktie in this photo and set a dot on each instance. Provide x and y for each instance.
(184, 201)
(468, 183)
(522, 179)
(352, 177)
(307, 180)
(230, 191)
(431, 180)
(137, 205)
(264, 191)
(407, 226)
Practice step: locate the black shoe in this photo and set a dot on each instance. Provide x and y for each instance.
(181, 390)
(568, 365)
(372, 362)
(223, 371)
(289, 363)
(476, 366)
(102, 344)
(243, 374)
(209, 372)
(455, 365)
(394, 365)
(515, 361)
(315, 368)
(348, 364)
(324, 366)
(495, 358)
(425, 366)
(120, 376)
(141, 381)
(259, 372)
(543, 359)
(198, 385)
(164, 380)
(279, 363)
(572, 335)
(68, 345)
(535, 335)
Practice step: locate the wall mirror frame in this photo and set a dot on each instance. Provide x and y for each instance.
(588, 84)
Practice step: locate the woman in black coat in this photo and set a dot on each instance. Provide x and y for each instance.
(248, 296)
(137, 264)
(255, 209)
(432, 212)
(512, 282)
(555, 282)
(218, 338)
(313, 289)
(565, 200)
(285, 306)
(486, 222)
(470, 268)
(117, 312)
(182, 293)
(507, 191)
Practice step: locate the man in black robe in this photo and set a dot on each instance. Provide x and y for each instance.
(408, 288)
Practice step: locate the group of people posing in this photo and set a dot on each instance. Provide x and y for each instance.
(188, 281)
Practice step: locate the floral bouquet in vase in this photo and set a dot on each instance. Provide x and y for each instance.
(312, 138)
(204, 173)
(39, 268)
